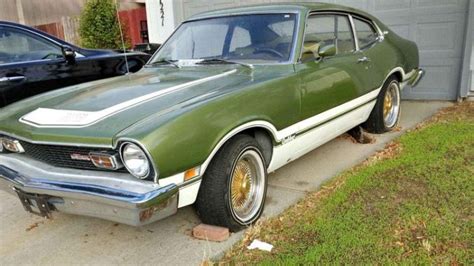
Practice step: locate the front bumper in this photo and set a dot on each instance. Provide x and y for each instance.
(113, 196)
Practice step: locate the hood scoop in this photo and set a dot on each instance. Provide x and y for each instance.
(55, 118)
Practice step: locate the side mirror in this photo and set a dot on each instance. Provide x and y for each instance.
(69, 54)
(328, 50)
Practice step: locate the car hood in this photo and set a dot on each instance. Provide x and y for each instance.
(93, 113)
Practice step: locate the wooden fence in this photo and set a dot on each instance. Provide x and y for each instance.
(71, 29)
(68, 28)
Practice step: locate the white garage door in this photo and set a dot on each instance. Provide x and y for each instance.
(437, 26)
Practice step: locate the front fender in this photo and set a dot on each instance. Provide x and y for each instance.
(188, 136)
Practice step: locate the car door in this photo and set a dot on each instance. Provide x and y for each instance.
(29, 64)
(374, 56)
(329, 82)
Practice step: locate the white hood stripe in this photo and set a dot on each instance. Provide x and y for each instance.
(54, 118)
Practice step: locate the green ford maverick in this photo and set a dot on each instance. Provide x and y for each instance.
(230, 97)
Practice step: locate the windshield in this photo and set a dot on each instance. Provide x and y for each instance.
(245, 38)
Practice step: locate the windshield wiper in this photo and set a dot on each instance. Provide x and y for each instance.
(165, 61)
(223, 61)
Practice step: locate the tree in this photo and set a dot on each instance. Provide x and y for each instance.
(99, 27)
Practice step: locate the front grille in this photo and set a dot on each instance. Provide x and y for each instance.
(60, 156)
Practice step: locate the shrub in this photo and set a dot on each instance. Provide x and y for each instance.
(99, 28)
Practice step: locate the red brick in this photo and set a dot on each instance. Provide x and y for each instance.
(211, 232)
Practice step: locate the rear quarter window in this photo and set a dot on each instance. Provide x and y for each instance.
(366, 33)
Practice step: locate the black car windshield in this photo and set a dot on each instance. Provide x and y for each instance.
(244, 38)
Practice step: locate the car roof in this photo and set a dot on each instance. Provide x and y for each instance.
(303, 7)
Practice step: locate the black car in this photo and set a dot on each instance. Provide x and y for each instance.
(32, 62)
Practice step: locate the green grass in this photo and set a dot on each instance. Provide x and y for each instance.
(413, 206)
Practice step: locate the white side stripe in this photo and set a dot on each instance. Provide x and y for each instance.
(304, 143)
(53, 118)
(327, 115)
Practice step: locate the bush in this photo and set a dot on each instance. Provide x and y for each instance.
(99, 27)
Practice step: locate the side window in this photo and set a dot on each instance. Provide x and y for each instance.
(366, 33)
(240, 39)
(17, 46)
(324, 30)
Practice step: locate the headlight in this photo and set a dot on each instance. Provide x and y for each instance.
(135, 160)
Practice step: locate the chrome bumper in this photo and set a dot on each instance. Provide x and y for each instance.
(111, 196)
(419, 74)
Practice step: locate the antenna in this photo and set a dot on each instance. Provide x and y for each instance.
(121, 36)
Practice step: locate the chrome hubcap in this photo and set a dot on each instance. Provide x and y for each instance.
(391, 105)
(247, 186)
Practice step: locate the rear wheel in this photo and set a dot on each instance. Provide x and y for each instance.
(234, 187)
(386, 113)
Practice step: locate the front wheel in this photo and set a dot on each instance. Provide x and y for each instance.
(386, 113)
(233, 189)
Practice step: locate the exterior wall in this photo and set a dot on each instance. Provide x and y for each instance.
(159, 29)
(471, 81)
(470, 92)
(467, 75)
(39, 12)
(132, 19)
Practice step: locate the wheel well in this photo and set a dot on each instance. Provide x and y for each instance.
(398, 75)
(264, 139)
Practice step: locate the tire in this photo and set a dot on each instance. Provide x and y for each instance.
(224, 185)
(386, 114)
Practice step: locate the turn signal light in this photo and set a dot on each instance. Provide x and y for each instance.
(105, 161)
(191, 173)
(12, 145)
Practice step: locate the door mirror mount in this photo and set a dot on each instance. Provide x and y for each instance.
(69, 54)
(326, 51)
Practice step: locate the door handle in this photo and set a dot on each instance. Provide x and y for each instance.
(364, 59)
(12, 79)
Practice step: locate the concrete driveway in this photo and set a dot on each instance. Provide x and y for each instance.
(67, 239)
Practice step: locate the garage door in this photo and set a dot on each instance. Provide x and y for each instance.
(437, 26)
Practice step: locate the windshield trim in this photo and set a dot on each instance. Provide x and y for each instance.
(292, 56)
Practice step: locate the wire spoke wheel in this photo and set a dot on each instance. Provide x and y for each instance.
(234, 187)
(247, 186)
